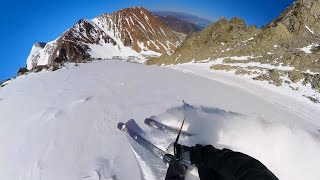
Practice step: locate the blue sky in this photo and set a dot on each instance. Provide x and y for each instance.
(25, 22)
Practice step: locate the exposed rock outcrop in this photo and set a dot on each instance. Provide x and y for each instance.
(73, 46)
(22, 71)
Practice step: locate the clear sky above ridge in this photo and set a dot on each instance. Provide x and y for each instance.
(25, 22)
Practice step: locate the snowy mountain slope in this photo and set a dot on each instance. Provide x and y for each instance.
(62, 124)
(128, 32)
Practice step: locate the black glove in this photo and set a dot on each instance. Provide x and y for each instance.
(182, 153)
(177, 153)
(177, 165)
(189, 154)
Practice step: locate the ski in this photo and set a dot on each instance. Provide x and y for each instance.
(158, 125)
(131, 129)
(128, 129)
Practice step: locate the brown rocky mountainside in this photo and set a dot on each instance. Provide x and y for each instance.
(72, 44)
(280, 41)
(286, 50)
(301, 14)
(135, 28)
(210, 42)
(179, 25)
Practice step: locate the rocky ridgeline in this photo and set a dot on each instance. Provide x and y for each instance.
(292, 40)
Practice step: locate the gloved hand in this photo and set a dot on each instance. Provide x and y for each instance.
(177, 165)
(177, 152)
(182, 152)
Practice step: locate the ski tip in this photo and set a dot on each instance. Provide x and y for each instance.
(147, 120)
(121, 125)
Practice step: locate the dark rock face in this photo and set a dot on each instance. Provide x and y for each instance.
(40, 44)
(22, 71)
(40, 68)
(3, 83)
(71, 52)
(314, 80)
(179, 25)
(72, 45)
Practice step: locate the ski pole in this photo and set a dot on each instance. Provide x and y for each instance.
(176, 142)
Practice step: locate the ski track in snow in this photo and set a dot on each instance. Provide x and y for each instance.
(62, 124)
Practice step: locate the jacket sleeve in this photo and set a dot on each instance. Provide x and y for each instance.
(175, 172)
(229, 164)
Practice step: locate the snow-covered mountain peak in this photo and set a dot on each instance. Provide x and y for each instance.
(131, 32)
(140, 29)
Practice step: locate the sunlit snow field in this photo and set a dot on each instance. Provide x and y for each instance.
(63, 124)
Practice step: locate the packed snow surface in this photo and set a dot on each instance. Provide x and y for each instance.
(63, 124)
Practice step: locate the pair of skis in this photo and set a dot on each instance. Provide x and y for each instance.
(132, 129)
